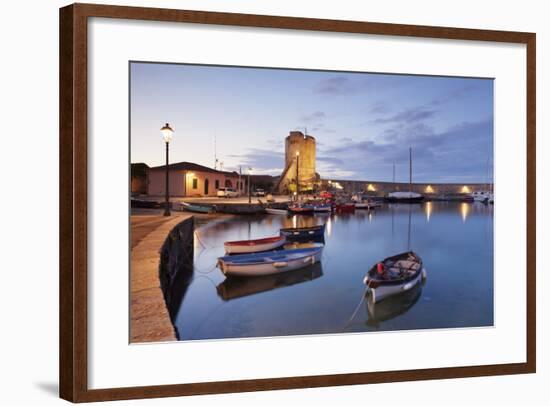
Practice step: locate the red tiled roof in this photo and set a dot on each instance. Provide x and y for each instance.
(190, 166)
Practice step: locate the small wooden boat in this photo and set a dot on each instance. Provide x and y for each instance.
(195, 208)
(345, 208)
(367, 205)
(322, 208)
(302, 209)
(250, 246)
(268, 263)
(304, 232)
(394, 275)
(269, 210)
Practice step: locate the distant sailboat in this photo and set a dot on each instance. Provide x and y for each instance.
(405, 197)
(485, 196)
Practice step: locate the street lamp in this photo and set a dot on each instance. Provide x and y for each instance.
(249, 195)
(297, 172)
(167, 133)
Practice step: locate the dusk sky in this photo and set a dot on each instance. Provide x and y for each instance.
(363, 123)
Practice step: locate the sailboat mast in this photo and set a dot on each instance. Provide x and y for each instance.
(410, 170)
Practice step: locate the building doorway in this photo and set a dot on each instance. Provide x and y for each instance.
(206, 187)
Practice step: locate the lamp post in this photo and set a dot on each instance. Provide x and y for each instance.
(167, 133)
(249, 195)
(297, 174)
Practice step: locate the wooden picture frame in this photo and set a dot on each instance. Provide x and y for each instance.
(73, 200)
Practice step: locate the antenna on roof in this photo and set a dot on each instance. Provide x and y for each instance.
(215, 154)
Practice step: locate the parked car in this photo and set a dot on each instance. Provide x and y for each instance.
(227, 192)
(259, 193)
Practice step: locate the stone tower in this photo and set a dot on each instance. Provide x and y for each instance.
(297, 142)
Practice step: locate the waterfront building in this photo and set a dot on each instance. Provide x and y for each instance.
(138, 178)
(188, 179)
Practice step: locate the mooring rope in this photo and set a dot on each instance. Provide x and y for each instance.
(206, 272)
(356, 309)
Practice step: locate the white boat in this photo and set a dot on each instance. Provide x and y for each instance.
(367, 205)
(394, 275)
(275, 211)
(195, 208)
(482, 196)
(269, 262)
(250, 246)
(322, 208)
(404, 197)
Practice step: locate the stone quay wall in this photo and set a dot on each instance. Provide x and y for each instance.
(382, 188)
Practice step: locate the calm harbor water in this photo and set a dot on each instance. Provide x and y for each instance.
(455, 241)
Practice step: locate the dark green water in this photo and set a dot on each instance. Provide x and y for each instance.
(455, 241)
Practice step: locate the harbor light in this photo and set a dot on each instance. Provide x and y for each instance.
(167, 133)
(371, 188)
(465, 189)
(429, 189)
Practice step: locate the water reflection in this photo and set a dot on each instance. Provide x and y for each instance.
(428, 208)
(464, 210)
(392, 306)
(442, 233)
(233, 288)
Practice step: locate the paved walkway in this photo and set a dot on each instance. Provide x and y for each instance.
(149, 318)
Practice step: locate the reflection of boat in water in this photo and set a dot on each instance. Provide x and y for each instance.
(232, 287)
(394, 275)
(393, 306)
(266, 263)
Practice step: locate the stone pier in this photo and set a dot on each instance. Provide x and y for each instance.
(149, 316)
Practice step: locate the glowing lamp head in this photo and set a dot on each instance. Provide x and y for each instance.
(297, 153)
(167, 133)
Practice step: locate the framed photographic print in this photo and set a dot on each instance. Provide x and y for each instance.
(256, 202)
